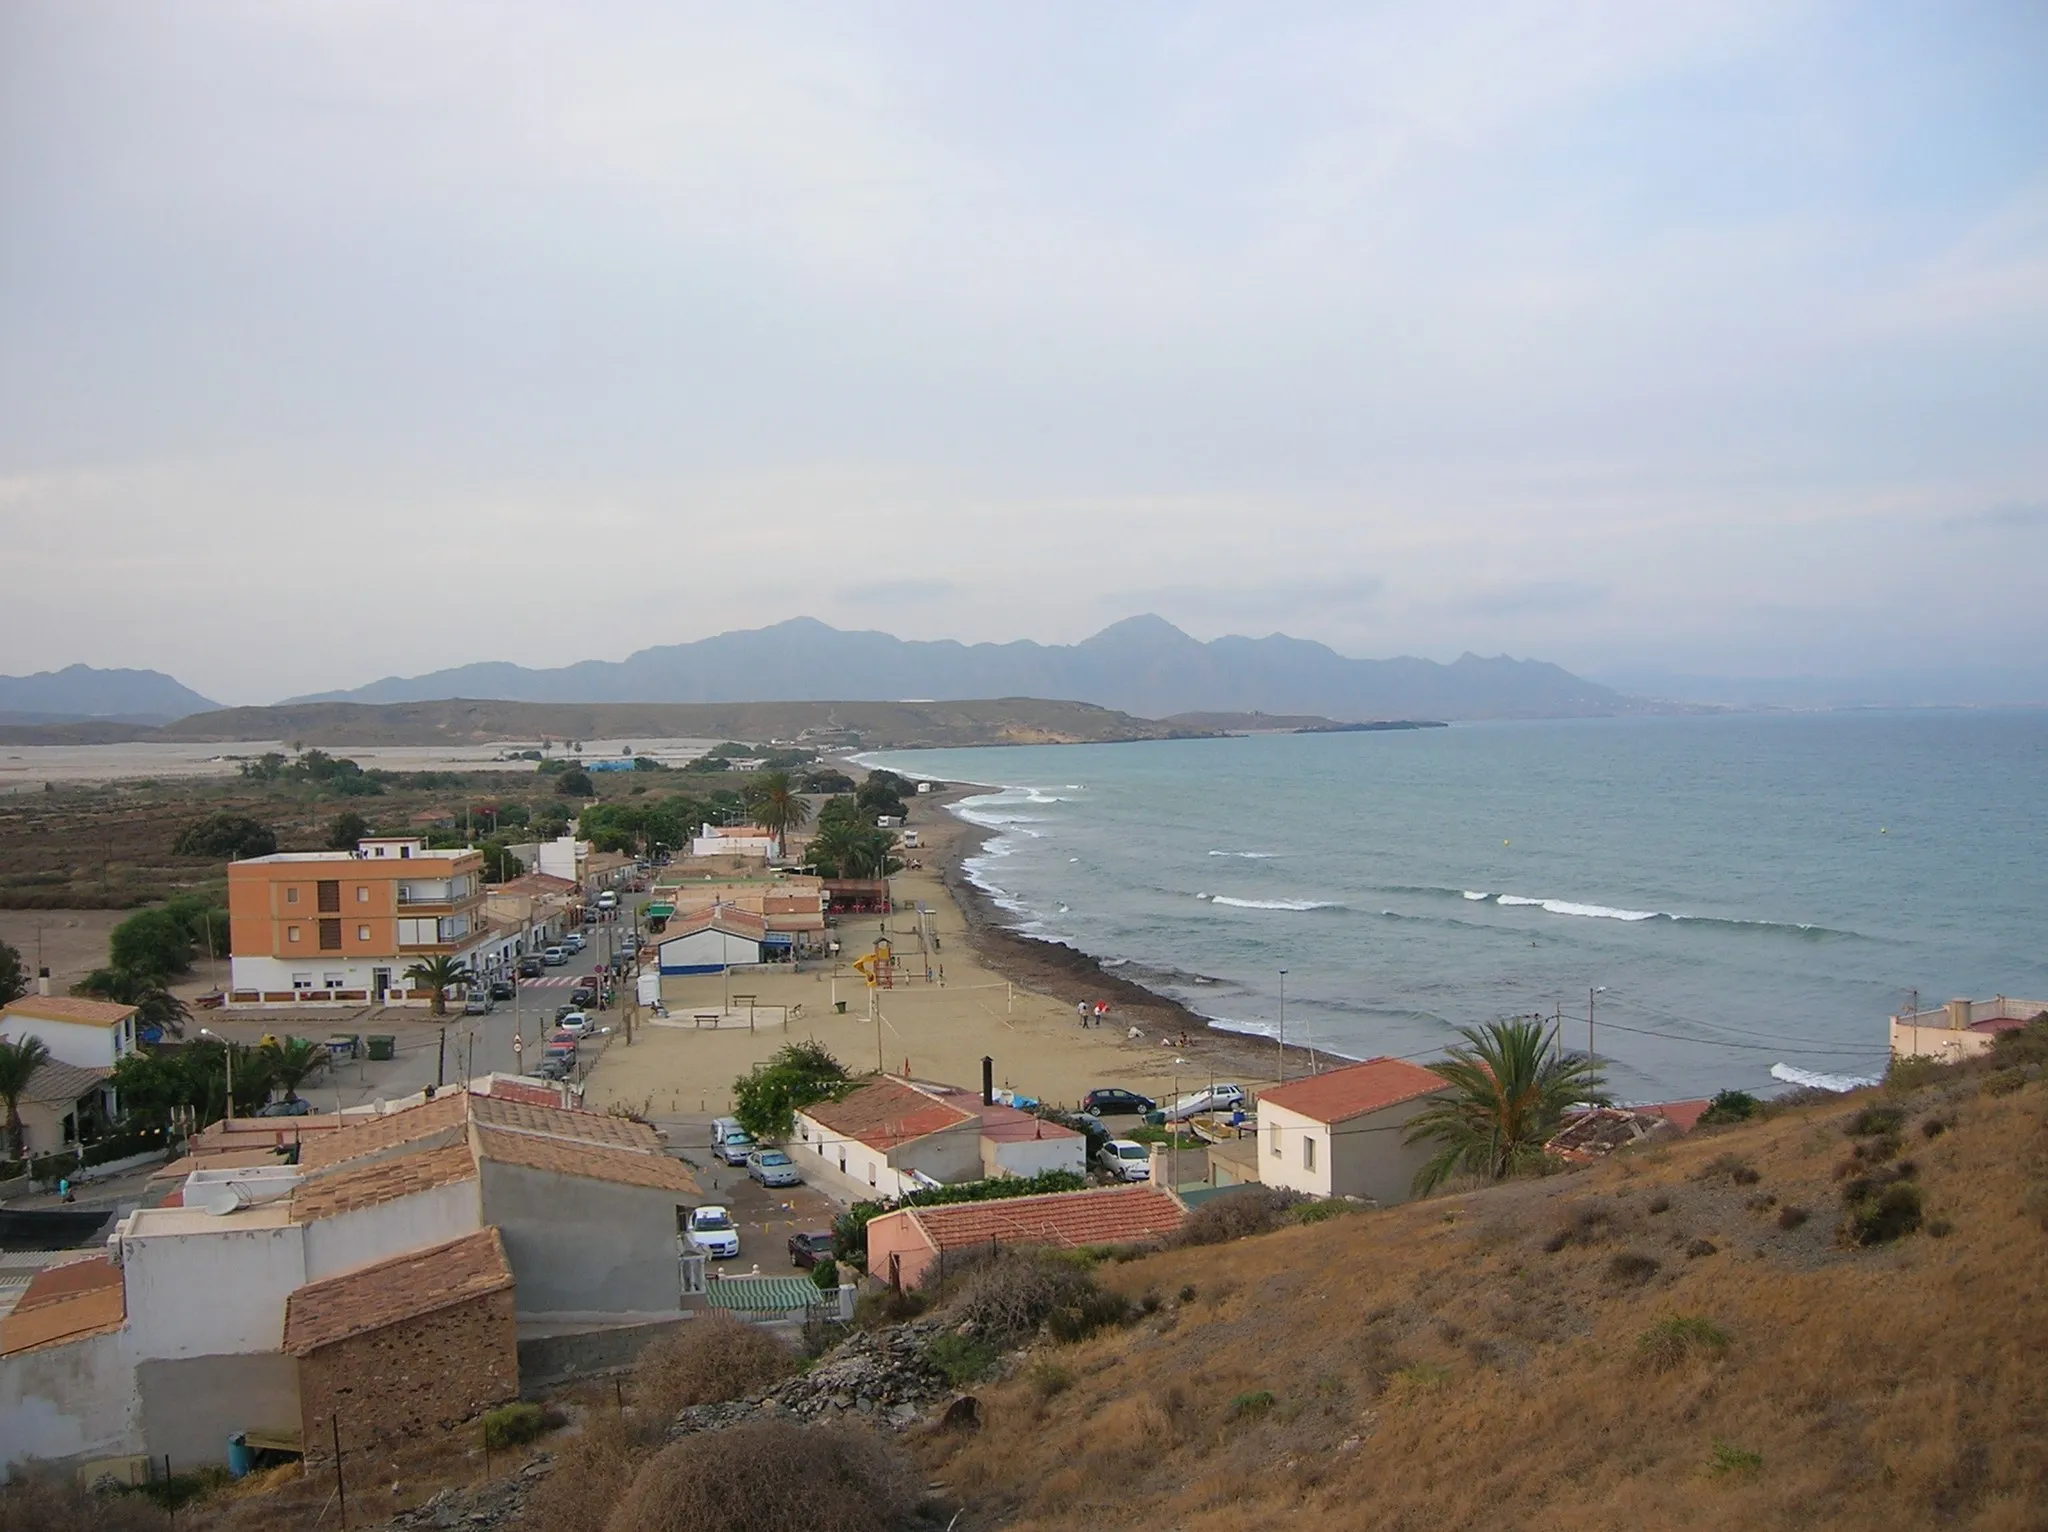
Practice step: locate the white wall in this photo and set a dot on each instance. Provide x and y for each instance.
(1033, 1156)
(708, 949)
(213, 1293)
(1281, 1136)
(558, 858)
(951, 1155)
(89, 1047)
(1364, 1157)
(69, 1401)
(372, 1234)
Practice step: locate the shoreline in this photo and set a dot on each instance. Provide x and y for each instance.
(1066, 973)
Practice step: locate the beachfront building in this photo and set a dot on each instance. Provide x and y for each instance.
(1962, 1029)
(713, 941)
(343, 926)
(91, 1034)
(1339, 1134)
(790, 906)
(912, 1244)
(737, 840)
(894, 1135)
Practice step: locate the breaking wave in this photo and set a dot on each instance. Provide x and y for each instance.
(1793, 1075)
(1250, 856)
(1272, 904)
(1802, 929)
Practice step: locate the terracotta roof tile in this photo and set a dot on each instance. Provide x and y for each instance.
(1342, 1094)
(555, 1121)
(66, 1303)
(419, 1282)
(591, 1162)
(1117, 1215)
(390, 1130)
(71, 1008)
(348, 1188)
(886, 1113)
(55, 1082)
(733, 922)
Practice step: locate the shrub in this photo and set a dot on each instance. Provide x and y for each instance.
(1251, 1406)
(1729, 1106)
(225, 836)
(1240, 1211)
(1048, 1378)
(1737, 1460)
(1874, 1122)
(53, 1502)
(890, 1306)
(1905, 1075)
(1632, 1268)
(1729, 1167)
(1790, 1217)
(772, 1476)
(2004, 1083)
(962, 1358)
(1325, 1210)
(512, 1425)
(1013, 1293)
(708, 1361)
(1934, 1127)
(1877, 1211)
(1581, 1224)
(1660, 1203)
(1700, 1247)
(1677, 1339)
(826, 1275)
(1187, 1293)
(1939, 1228)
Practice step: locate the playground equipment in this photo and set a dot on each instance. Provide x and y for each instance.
(879, 966)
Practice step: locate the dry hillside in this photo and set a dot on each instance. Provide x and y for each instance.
(1661, 1342)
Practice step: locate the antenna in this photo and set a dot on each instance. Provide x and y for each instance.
(221, 1200)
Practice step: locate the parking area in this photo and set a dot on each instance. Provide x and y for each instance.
(766, 1216)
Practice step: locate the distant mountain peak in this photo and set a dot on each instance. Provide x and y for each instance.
(82, 691)
(1146, 628)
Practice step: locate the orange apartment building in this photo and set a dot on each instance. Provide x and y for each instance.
(345, 925)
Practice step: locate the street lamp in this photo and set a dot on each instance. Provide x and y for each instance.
(1283, 1026)
(227, 1052)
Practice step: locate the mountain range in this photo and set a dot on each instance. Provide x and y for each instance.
(1142, 665)
(80, 692)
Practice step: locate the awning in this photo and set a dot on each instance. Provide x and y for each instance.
(761, 1295)
(778, 939)
(660, 912)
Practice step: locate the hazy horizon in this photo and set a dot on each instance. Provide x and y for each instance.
(356, 340)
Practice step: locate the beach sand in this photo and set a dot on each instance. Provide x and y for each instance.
(1003, 996)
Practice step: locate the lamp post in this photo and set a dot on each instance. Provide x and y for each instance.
(228, 1053)
(1592, 1057)
(1283, 1027)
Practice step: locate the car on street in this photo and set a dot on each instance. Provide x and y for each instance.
(555, 957)
(771, 1167)
(712, 1231)
(1126, 1160)
(1115, 1101)
(292, 1108)
(479, 1003)
(504, 989)
(1218, 1098)
(807, 1249)
(530, 966)
(731, 1142)
(575, 1023)
(607, 900)
(583, 994)
(555, 1066)
(574, 941)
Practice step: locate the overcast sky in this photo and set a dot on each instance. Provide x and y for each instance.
(339, 340)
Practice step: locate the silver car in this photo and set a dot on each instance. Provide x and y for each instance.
(771, 1167)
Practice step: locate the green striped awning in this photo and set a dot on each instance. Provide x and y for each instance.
(660, 911)
(760, 1295)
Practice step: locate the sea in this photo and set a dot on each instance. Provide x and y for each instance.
(1727, 901)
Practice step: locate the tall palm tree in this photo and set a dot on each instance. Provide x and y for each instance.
(1512, 1088)
(155, 1005)
(292, 1061)
(439, 974)
(18, 1063)
(777, 806)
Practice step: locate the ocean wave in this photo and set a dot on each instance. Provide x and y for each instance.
(1793, 1075)
(1802, 929)
(1272, 904)
(1249, 856)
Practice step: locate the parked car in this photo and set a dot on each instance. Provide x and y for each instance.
(504, 989)
(575, 941)
(292, 1108)
(1115, 1101)
(479, 1003)
(556, 1066)
(771, 1167)
(1218, 1098)
(607, 900)
(1126, 1160)
(583, 994)
(731, 1142)
(711, 1230)
(809, 1249)
(530, 966)
(575, 1023)
(555, 957)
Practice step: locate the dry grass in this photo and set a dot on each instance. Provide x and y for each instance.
(592, 1470)
(713, 1358)
(1455, 1372)
(772, 1476)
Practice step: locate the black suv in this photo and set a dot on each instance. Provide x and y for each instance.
(1114, 1101)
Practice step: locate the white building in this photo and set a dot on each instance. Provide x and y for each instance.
(737, 840)
(892, 1136)
(92, 1034)
(719, 938)
(1339, 1134)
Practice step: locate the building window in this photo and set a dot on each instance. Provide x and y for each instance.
(1308, 1151)
(330, 936)
(842, 1162)
(362, 894)
(291, 896)
(291, 933)
(302, 981)
(362, 933)
(329, 890)
(871, 1172)
(1273, 1138)
(334, 981)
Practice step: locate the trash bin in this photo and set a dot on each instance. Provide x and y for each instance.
(839, 1006)
(240, 1458)
(383, 1045)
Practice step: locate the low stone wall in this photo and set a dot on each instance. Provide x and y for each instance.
(548, 1361)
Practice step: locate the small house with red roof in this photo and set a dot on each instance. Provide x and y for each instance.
(712, 940)
(887, 1137)
(907, 1246)
(1340, 1133)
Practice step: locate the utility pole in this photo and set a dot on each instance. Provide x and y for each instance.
(441, 1061)
(1283, 1028)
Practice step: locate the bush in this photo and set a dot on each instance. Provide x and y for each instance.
(1729, 1106)
(1875, 1122)
(772, 1476)
(1251, 1406)
(1737, 1460)
(513, 1425)
(1677, 1339)
(592, 1469)
(1580, 1224)
(890, 1306)
(1236, 1213)
(225, 837)
(1879, 1209)
(1048, 1378)
(708, 1361)
(1790, 1217)
(57, 1503)
(1732, 1167)
(1632, 1268)
(1325, 1210)
(1012, 1294)
(826, 1275)
(962, 1358)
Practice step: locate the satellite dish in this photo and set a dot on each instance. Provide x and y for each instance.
(220, 1200)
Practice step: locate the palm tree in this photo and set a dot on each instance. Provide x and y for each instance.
(1512, 1088)
(777, 806)
(440, 975)
(155, 1005)
(291, 1061)
(18, 1063)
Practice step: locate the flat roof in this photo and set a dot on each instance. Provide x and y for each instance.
(75, 1009)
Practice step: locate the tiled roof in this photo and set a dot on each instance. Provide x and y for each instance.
(420, 1282)
(555, 1121)
(885, 1113)
(1682, 1115)
(1115, 1215)
(55, 1082)
(535, 883)
(389, 1130)
(1342, 1094)
(734, 922)
(590, 1162)
(64, 1303)
(346, 1189)
(1008, 1125)
(71, 1008)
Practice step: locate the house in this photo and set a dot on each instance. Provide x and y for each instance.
(64, 1104)
(1960, 1030)
(1014, 1142)
(712, 941)
(791, 906)
(91, 1034)
(886, 1138)
(343, 926)
(909, 1245)
(737, 840)
(1339, 1134)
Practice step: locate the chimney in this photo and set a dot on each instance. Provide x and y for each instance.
(988, 1081)
(43, 981)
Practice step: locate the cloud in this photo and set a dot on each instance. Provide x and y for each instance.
(898, 592)
(2013, 514)
(1541, 596)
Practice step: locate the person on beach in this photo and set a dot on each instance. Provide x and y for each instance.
(1081, 1010)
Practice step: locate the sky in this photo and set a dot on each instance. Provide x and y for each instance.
(348, 339)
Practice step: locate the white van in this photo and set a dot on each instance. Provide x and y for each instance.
(607, 900)
(731, 1142)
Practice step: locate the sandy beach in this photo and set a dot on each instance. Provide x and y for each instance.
(990, 993)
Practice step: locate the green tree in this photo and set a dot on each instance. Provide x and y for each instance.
(776, 805)
(1512, 1086)
(154, 942)
(766, 1102)
(232, 836)
(500, 865)
(439, 974)
(13, 975)
(346, 830)
(292, 1062)
(18, 1063)
(205, 921)
(575, 783)
(155, 1004)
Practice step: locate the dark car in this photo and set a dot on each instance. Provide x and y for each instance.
(584, 994)
(1114, 1101)
(503, 989)
(530, 966)
(292, 1108)
(809, 1249)
(567, 1010)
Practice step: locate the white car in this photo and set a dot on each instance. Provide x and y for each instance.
(607, 900)
(712, 1231)
(575, 1022)
(1219, 1098)
(1126, 1160)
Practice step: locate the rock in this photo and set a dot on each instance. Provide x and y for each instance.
(963, 1414)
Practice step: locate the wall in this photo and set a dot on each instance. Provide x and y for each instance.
(1288, 1130)
(953, 1154)
(895, 1234)
(372, 1234)
(585, 1247)
(1365, 1158)
(89, 1047)
(1938, 1042)
(70, 1401)
(1033, 1156)
(707, 951)
(191, 1407)
(217, 1293)
(548, 1361)
(409, 1380)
